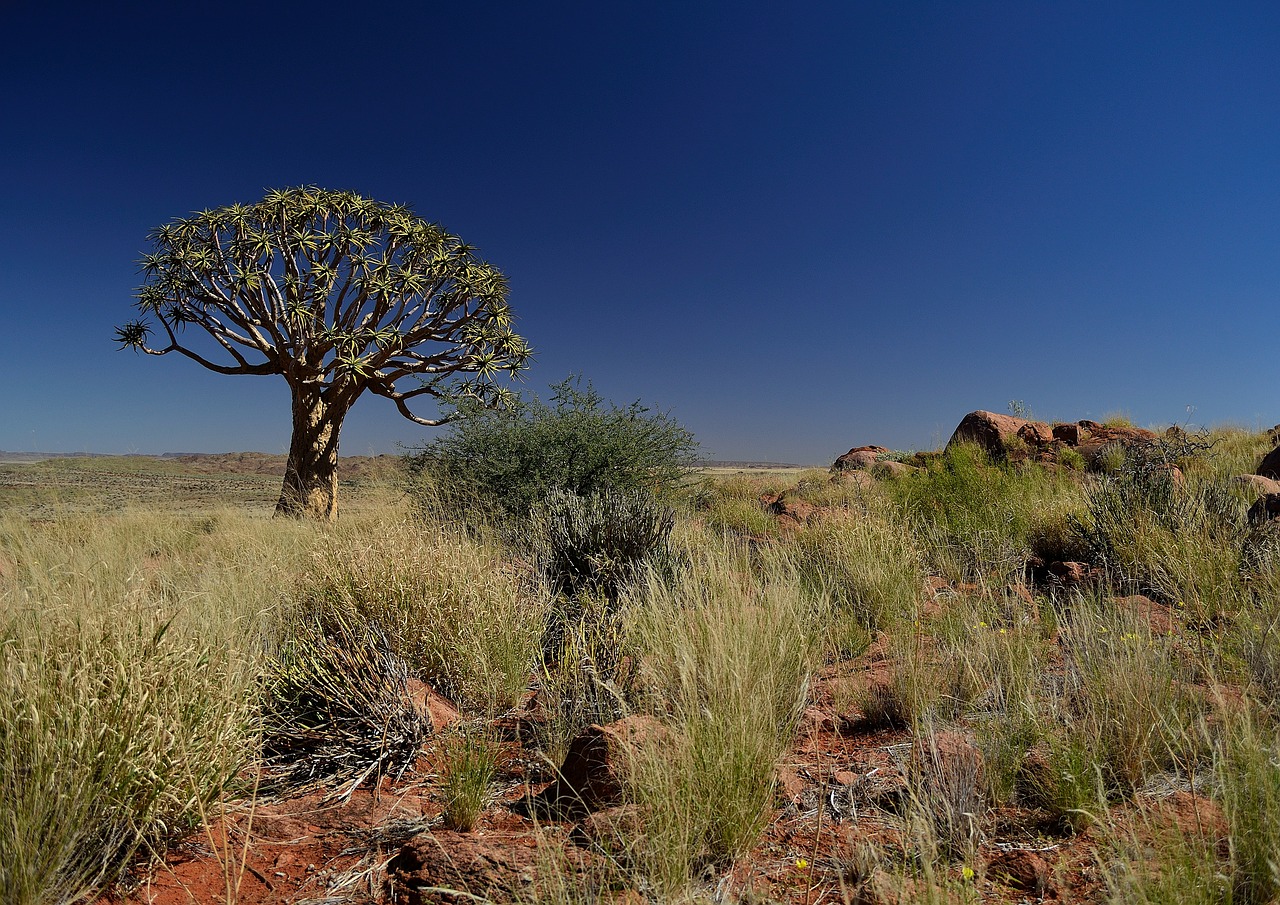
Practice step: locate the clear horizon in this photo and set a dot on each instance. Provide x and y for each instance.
(798, 231)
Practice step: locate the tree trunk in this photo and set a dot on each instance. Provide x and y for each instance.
(311, 476)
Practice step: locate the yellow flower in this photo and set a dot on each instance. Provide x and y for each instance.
(801, 863)
(967, 872)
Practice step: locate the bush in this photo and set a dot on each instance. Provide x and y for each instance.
(598, 544)
(500, 464)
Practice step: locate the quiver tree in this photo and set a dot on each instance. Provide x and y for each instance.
(339, 295)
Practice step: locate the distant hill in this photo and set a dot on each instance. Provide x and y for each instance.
(350, 468)
(721, 463)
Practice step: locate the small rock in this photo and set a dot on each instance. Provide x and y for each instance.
(845, 778)
(1146, 609)
(613, 831)
(1021, 870)
(816, 720)
(789, 785)
(495, 869)
(426, 701)
(597, 766)
(1069, 572)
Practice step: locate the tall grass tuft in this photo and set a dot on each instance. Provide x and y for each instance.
(726, 661)
(453, 605)
(866, 562)
(129, 651)
(980, 519)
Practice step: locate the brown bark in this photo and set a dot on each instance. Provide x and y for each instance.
(311, 475)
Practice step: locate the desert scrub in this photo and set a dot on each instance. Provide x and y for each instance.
(130, 651)
(588, 675)
(1247, 764)
(865, 561)
(497, 464)
(726, 656)
(977, 518)
(1003, 662)
(454, 606)
(1145, 861)
(1181, 542)
(731, 505)
(597, 544)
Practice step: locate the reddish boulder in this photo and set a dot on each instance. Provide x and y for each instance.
(1129, 436)
(791, 511)
(1156, 616)
(1070, 434)
(1036, 433)
(428, 703)
(1069, 572)
(861, 479)
(891, 469)
(994, 433)
(484, 868)
(860, 457)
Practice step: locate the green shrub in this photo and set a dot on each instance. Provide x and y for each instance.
(501, 463)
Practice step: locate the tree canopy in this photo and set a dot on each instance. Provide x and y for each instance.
(338, 294)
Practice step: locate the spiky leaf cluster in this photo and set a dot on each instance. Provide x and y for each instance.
(336, 292)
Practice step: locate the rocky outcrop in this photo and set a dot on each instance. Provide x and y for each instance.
(1256, 484)
(1005, 437)
(1265, 509)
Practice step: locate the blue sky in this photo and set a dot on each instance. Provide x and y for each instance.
(799, 228)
